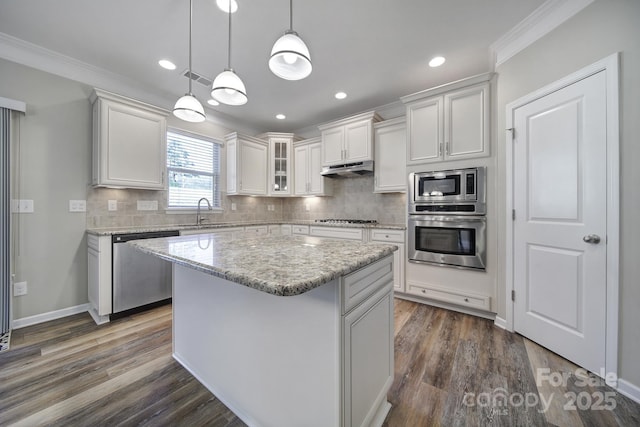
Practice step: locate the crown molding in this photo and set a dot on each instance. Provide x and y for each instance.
(542, 21)
(31, 55)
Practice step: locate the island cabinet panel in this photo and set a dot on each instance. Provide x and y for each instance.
(368, 360)
(311, 359)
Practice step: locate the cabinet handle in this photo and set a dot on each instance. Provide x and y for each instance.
(447, 149)
(440, 150)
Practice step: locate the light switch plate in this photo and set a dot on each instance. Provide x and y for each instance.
(147, 205)
(233, 206)
(22, 206)
(77, 205)
(112, 205)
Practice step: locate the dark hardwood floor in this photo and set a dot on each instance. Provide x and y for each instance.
(451, 369)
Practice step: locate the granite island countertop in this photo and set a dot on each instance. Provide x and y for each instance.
(278, 265)
(108, 231)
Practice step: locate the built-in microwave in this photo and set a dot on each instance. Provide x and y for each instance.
(456, 191)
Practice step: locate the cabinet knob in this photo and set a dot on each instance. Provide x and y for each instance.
(424, 292)
(466, 300)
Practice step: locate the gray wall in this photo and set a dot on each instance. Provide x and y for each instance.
(53, 167)
(603, 28)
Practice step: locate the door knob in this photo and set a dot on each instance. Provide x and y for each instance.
(592, 238)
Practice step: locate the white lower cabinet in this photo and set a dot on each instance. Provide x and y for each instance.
(300, 229)
(461, 298)
(99, 277)
(337, 232)
(395, 237)
(226, 233)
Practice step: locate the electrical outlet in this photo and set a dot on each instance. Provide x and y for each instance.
(307, 207)
(112, 205)
(233, 206)
(147, 205)
(19, 289)
(77, 205)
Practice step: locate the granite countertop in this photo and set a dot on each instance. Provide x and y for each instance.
(148, 228)
(279, 265)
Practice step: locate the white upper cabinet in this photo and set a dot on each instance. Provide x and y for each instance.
(307, 168)
(280, 163)
(247, 160)
(449, 122)
(390, 141)
(348, 140)
(129, 143)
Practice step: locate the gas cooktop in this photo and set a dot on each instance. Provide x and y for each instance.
(347, 221)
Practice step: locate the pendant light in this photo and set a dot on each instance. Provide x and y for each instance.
(290, 58)
(227, 86)
(188, 108)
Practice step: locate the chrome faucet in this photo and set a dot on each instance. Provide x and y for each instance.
(199, 218)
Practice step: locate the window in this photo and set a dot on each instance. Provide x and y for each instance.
(193, 167)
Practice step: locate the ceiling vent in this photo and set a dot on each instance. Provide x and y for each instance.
(204, 81)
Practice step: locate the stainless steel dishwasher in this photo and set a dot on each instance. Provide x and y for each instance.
(139, 280)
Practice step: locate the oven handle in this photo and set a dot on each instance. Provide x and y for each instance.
(447, 218)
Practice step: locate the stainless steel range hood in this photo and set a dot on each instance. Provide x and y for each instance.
(348, 169)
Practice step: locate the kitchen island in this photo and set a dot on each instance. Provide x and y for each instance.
(286, 331)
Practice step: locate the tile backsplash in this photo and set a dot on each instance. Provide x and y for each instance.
(352, 198)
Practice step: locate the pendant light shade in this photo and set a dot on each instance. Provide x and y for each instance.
(188, 108)
(229, 89)
(227, 86)
(290, 58)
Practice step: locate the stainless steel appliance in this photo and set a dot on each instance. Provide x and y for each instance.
(348, 169)
(449, 240)
(139, 280)
(456, 191)
(346, 221)
(447, 223)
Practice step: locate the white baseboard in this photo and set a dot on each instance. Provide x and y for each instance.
(97, 318)
(501, 323)
(632, 391)
(52, 315)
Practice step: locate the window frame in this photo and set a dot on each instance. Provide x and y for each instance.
(216, 177)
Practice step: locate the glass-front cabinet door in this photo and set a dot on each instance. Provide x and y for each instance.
(280, 164)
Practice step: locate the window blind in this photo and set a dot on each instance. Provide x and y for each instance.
(193, 168)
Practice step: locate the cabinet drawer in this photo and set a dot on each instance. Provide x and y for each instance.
(337, 232)
(359, 285)
(256, 230)
(482, 302)
(300, 229)
(382, 235)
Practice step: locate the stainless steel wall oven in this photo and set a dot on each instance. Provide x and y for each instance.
(447, 225)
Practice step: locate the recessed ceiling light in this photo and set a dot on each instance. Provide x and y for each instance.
(281, 117)
(166, 64)
(436, 61)
(340, 95)
(213, 102)
(223, 5)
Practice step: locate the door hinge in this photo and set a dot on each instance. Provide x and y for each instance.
(513, 214)
(513, 295)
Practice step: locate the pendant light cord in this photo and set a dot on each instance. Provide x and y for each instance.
(190, 24)
(291, 15)
(229, 54)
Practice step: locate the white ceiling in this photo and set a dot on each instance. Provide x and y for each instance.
(374, 50)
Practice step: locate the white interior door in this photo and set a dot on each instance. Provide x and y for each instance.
(559, 231)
